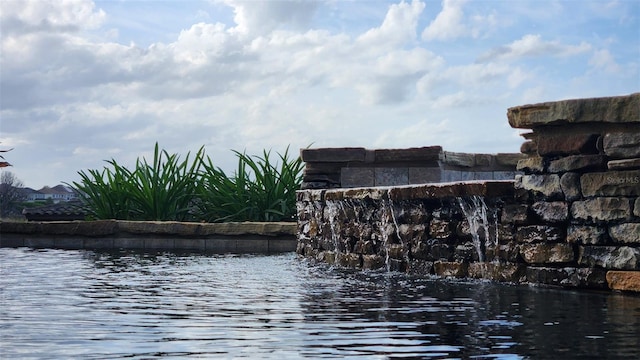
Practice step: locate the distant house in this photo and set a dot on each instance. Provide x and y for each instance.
(57, 194)
(31, 194)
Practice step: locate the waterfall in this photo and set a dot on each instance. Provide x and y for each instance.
(475, 211)
(332, 212)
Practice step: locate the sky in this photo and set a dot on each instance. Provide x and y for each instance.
(83, 82)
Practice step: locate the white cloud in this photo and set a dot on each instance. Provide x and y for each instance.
(50, 16)
(602, 59)
(533, 46)
(399, 25)
(279, 73)
(449, 24)
(260, 17)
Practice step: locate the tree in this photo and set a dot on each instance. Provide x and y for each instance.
(11, 194)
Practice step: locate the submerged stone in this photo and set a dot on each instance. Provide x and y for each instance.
(624, 280)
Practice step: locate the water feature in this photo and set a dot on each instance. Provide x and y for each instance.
(475, 211)
(99, 305)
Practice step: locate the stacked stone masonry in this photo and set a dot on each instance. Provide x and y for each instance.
(571, 218)
(327, 168)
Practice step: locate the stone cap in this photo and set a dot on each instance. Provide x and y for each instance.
(616, 109)
(152, 228)
(359, 154)
(485, 188)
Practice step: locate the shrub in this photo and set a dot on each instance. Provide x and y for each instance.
(260, 190)
(161, 190)
(170, 189)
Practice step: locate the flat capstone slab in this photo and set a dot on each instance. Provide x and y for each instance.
(485, 188)
(615, 109)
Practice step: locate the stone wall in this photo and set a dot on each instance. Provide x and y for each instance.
(571, 218)
(327, 168)
(581, 183)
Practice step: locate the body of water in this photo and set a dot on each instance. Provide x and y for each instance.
(57, 304)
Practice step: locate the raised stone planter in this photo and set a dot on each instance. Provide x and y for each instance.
(327, 168)
(571, 216)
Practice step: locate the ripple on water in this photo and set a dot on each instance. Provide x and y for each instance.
(83, 304)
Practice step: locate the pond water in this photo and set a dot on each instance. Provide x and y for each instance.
(95, 305)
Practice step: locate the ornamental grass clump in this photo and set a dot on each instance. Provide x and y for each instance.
(259, 190)
(161, 190)
(170, 189)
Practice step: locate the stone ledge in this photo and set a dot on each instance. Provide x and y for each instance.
(245, 237)
(624, 280)
(488, 188)
(617, 109)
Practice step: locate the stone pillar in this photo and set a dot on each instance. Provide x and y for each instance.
(580, 188)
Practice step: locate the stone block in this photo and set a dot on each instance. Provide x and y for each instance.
(11, 240)
(553, 211)
(372, 262)
(578, 163)
(440, 229)
(424, 175)
(515, 214)
(159, 244)
(484, 160)
(357, 177)
(616, 109)
(622, 145)
(39, 242)
(450, 269)
(437, 250)
(187, 244)
(349, 260)
(570, 185)
(567, 144)
(610, 257)
(601, 209)
(68, 243)
(504, 175)
(625, 233)
(333, 155)
(420, 267)
(529, 148)
(513, 273)
(539, 233)
(547, 253)
(531, 165)
(322, 168)
(508, 159)
(625, 164)
(458, 159)
(546, 185)
(587, 235)
(451, 175)
(221, 245)
(128, 243)
(567, 277)
(391, 176)
(636, 207)
(252, 245)
(624, 280)
(98, 243)
(428, 156)
(509, 252)
(483, 175)
(611, 183)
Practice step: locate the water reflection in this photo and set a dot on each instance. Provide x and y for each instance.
(80, 304)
